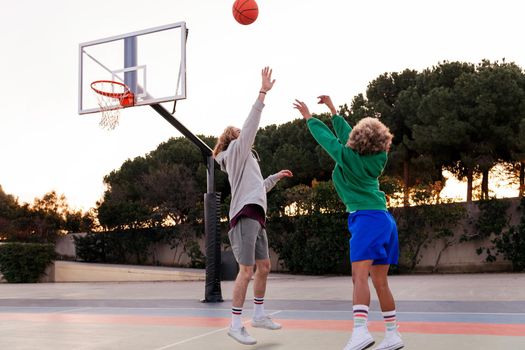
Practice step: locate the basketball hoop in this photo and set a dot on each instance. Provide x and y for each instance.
(112, 96)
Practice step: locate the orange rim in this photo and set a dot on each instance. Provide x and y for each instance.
(126, 98)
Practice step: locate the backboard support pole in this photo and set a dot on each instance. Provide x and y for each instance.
(212, 292)
(130, 60)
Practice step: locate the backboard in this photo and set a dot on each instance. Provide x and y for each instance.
(150, 62)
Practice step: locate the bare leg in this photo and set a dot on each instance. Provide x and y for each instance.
(361, 337)
(392, 339)
(260, 319)
(360, 272)
(241, 285)
(237, 330)
(261, 276)
(379, 274)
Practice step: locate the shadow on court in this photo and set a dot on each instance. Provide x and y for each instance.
(478, 311)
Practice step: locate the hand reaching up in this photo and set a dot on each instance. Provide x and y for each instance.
(267, 82)
(303, 109)
(325, 99)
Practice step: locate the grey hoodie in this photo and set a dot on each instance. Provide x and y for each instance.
(244, 174)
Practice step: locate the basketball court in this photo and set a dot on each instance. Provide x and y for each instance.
(146, 68)
(485, 311)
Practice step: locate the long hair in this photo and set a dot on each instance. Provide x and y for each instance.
(228, 135)
(370, 136)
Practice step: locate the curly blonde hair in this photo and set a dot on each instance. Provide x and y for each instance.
(228, 135)
(370, 136)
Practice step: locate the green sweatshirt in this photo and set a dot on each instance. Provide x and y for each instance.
(355, 176)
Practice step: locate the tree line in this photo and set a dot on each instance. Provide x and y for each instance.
(42, 221)
(462, 117)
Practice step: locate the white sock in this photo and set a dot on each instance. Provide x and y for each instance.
(258, 308)
(360, 315)
(390, 321)
(236, 317)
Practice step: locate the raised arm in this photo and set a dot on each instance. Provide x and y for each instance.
(326, 138)
(251, 125)
(341, 127)
(322, 134)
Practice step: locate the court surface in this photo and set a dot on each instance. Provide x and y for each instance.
(477, 311)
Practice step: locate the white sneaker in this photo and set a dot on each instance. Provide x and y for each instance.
(265, 322)
(361, 339)
(392, 341)
(242, 336)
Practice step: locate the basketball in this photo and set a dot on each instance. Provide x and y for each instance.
(245, 11)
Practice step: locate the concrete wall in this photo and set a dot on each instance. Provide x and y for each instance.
(69, 271)
(161, 253)
(462, 257)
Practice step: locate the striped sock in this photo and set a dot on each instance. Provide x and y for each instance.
(258, 307)
(390, 320)
(360, 315)
(236, 317)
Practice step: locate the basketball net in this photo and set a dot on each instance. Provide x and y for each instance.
(112, 96)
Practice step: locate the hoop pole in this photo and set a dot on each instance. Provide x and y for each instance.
(130, 60)
(205, 149)
(212, 291)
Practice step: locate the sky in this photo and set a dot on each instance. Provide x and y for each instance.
(333, 47)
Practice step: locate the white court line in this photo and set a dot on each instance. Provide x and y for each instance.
(414, 312)
(120, 307)
(203, 335)
(50, 307)
(282, 310)
(71, 310)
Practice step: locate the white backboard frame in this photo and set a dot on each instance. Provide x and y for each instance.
(143, 97)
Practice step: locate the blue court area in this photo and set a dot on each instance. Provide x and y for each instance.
(315, 313)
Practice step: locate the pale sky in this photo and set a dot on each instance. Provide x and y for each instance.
(333, 47)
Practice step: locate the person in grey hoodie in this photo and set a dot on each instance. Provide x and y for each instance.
(247, 234)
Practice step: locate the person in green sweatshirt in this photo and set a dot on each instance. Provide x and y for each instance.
(360, 156)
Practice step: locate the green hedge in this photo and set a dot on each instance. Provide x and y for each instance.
(25, 262)
(118, 247)
(312, 244)
(137, 246)
(318, 243)
(507, 241)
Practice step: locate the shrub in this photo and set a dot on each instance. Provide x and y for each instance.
(492, 222)
(419, 226)
(314, 238)
(25, 262)
(511, 244)
(312, 244)
(136, 246)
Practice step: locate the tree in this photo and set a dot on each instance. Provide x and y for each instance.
(8, 212)
(491, 101)
(382, 99)
(162, 188)
(43, 221)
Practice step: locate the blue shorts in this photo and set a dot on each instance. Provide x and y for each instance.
(374, 237)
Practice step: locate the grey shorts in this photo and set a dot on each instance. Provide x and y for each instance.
(249, 241)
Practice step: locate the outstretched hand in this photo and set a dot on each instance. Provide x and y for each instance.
(325, 99)
(303, 109)
(284, 173)
(267, 82)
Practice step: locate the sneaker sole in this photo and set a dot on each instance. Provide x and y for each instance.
(369, 345)
(394, 347)
(366, 345)
(242, 342)
(271, 329)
